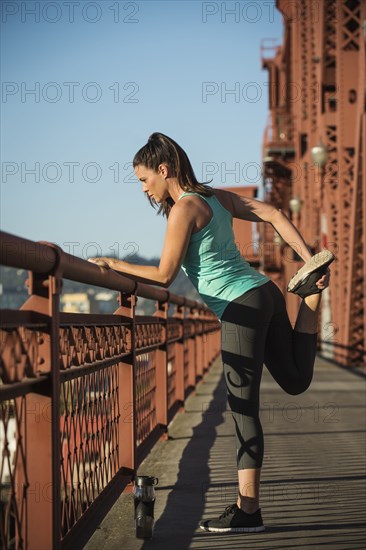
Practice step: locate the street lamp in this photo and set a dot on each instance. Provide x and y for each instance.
(278, 240)
(295, 206)
(319, 155)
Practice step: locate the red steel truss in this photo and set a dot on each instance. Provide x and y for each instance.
(317, 97)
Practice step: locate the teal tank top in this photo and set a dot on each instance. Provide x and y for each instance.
(213, 261)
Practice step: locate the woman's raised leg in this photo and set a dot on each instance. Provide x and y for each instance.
(307, 318)
(290, 352)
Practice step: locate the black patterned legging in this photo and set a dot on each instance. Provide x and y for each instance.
(255, 329)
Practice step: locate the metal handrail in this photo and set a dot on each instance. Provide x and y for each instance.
(45, 259)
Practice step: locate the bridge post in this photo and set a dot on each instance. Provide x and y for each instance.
(41, 425)
(179, 355)
(200, 367)
(161, 368)
(127, 389)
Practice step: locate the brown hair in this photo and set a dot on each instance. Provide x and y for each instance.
(162, 149)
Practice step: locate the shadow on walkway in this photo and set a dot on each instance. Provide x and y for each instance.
(185, 504)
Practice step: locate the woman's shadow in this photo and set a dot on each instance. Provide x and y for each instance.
(184, 508)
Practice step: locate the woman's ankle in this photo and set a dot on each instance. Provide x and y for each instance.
(247, 504)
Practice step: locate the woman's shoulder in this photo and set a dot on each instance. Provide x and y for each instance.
(223, 197)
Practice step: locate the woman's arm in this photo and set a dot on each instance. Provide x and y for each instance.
(253, 210)
(179, 228)
(291, 235)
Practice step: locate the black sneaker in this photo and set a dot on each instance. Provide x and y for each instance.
(234, 520)
(303, 282)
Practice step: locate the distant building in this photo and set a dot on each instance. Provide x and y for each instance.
(89, 302)
(75, 303)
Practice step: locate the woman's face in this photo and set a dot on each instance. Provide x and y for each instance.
(153, 183)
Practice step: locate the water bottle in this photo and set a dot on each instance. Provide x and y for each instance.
(144, 499)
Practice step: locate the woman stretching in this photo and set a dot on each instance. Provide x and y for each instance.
(255, 327)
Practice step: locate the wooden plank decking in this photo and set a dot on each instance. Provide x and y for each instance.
(313, 478)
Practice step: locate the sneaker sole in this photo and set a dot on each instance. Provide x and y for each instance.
(322, 259)
(233, 529)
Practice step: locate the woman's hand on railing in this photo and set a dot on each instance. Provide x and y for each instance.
(102, 262)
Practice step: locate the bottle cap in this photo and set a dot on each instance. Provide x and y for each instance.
(143, 481)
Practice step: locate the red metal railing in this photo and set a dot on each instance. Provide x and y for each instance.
(83, 397)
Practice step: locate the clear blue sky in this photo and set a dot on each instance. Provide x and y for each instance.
(105, 77)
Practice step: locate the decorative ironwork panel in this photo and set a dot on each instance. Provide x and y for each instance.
(12, 462)
(86, 344)
(145, 395)
(20, 354)
(89, 440)
(174, 329)
(149, 334)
